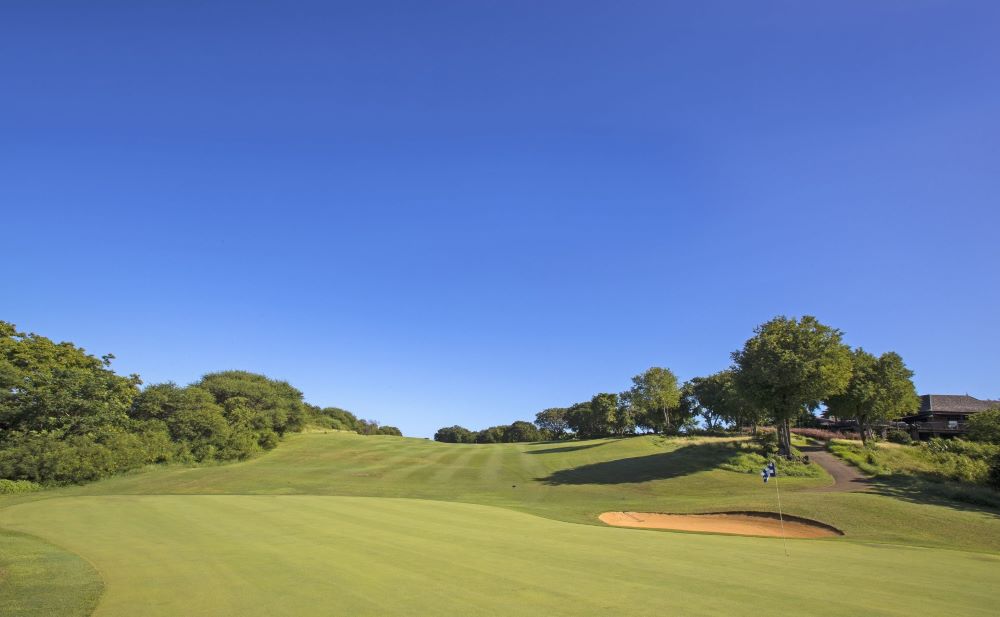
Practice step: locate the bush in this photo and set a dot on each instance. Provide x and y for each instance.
(817, 433)
(938, 460)
(993, 479)
(58, 459)
(15, 487)
(899, 436)
(985, 426)
(753, 455)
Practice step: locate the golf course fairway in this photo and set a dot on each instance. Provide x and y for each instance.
(198, 542)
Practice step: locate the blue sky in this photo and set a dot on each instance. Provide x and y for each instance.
(439, 213)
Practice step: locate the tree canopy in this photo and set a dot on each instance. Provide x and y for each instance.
(65, 416)
(791, 365)
(985, 426)
(880, 389)
(718, 394)
(58, 387)
(655, 397)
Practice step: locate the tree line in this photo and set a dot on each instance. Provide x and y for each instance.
(781, 376)
(654, 403)
(66, 416)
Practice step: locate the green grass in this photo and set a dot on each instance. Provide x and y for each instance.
(38, 578)
(949, 470)
(318, 527)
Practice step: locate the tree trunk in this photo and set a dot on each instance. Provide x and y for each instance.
(666, 421)
(785, 438)
(867, 434)
(753, 429)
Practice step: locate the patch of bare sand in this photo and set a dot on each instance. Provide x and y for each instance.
(737, 523)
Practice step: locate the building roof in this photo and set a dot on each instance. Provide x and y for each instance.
(954, 403)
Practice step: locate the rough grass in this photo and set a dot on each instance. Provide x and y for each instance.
(939, 459)
(756, 453)
(949, 469)
(314, 528)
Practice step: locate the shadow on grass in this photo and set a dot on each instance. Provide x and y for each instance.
(566, 448)
(953, 495)
(680, 462)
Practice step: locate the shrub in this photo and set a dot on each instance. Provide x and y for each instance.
(993, 479)
(14, 487)
(817, 433)
(752, 462)
(58, 459)
(985, 426)
(899, 436)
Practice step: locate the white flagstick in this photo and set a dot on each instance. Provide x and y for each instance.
(781, 517)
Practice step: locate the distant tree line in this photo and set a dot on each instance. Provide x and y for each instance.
(66, 417)
(654, 403)
(781, 376)
(518, 431)
(342, 420)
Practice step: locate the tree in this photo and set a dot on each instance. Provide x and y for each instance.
(790, 365)
(552, 421)
(191, 414)
(493, 434)
(389, 430)
(880, 389)
(580, 420)
(719, 395)
(520, 431)
(654, 399)
(985, 426)
(454, 434)
(603, 411)
(47, 386)
(625, 417)
(276, 404)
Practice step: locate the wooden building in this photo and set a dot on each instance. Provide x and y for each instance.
(945, 415)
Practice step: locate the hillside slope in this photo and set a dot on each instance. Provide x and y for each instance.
(572, 481)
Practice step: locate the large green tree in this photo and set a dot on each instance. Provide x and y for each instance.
(520, 431)
(790, 365)
(655, 398)
(277, 406)
(454, 434)
(581, 420)
(719, 395)
(880, 389)
(552, 422)
(604, 412)
(58, 387)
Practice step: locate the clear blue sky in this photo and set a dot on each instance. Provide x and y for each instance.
(438, 213)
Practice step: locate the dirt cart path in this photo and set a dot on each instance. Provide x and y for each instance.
(845, 477)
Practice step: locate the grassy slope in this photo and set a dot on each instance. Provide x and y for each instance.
(572, 482)
(275, 553)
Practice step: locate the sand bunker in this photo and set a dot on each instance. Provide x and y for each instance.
(738, 523)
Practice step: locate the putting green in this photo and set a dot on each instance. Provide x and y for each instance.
(320, 555)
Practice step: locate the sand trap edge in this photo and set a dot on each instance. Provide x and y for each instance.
(794, 525)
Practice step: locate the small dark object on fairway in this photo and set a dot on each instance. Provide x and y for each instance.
(513, 486)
